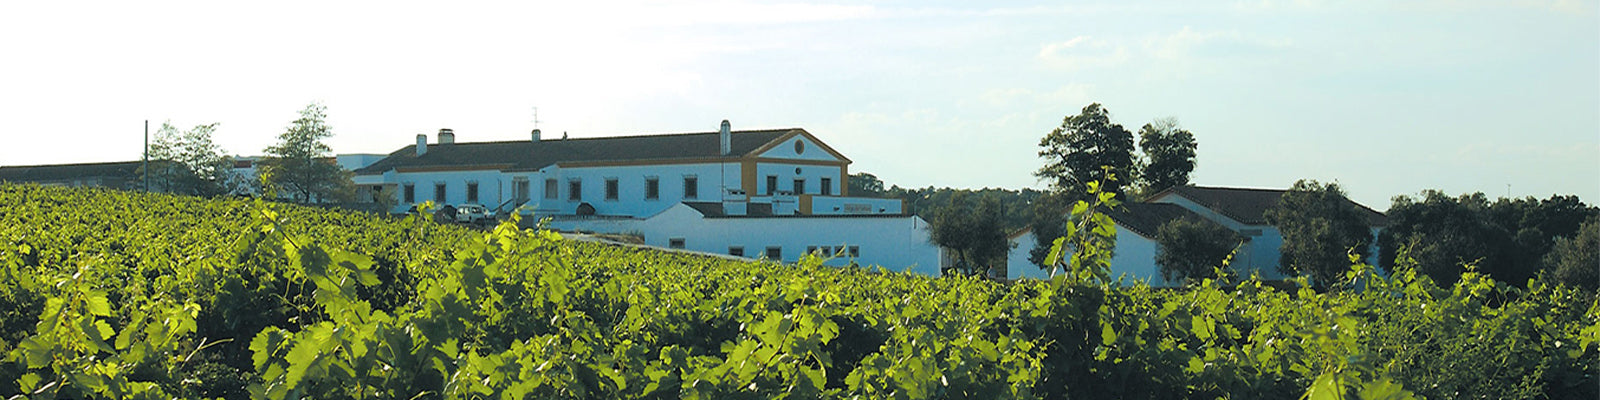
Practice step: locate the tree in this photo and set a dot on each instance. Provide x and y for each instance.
(188, 162)
(1191, 248)
(863, 184)
(1170, 154)
(1320, 230)
(1576, 260)
(1077, 152)
(1049, 221)
(299, 164)
(973, 232)
(1442, 235)
(1508, 239)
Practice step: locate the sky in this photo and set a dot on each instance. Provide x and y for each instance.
(1385, 98)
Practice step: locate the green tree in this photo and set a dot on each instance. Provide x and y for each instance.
(1169, 152)
(1321, 228)
(189, 162)
(300, 163)
(973, 232)
(1082, 148)
(1192, 248)
(1048, 222)
(1442, 235)
(862, 184)
(1575, 260)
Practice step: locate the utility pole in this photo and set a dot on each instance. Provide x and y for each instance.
(146, 165)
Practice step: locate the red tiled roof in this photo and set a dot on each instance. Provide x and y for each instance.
(528, 155)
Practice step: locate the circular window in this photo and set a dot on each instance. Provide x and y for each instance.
(797, 170)
(799, 147)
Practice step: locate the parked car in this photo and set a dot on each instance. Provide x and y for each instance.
(473, 213)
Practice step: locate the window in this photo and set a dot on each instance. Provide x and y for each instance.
(775, 253)
(472, 192)
(772, 184)
(855, 251)
(827, 186)
(736, 251)
(611, 189)
(800, 186)
(811, 249)
(411, 193)
(652, 188)
(438, 193)
(676, 243)
(574, 190)
(691, 187)
(799, 147)
(550, 189)
(521, 186)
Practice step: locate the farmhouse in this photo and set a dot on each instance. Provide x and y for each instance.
(1241, 210)
(773, 193)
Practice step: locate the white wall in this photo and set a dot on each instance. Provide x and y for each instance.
(1017, 265)
(894, 243)
(813, 175)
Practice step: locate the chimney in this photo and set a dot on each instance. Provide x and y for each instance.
(536, 135)
(727, 137)
(422, 144)
(447, 136)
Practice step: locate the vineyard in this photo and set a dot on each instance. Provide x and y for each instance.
(108, 294)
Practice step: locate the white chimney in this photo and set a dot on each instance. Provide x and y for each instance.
(422, 144)
(536, 135)
(447, 136)
(727, 137)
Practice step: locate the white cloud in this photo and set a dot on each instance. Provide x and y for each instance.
(1083, 52)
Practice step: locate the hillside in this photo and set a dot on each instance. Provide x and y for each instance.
(107, 294)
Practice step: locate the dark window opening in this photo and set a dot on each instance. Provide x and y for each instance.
(652, 188)
(676, 243)
(550, 189)
(522, 191)
(827, 186)
(438, 193)
(736, 251)
(800, 186)
(691, 187)
(574, 190)
(775, 253)
(411, 193)
(855, 251)
(772, 184)
(611, 189)
(472, 192)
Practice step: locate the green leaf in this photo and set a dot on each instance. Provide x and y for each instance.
(98, 305)
(1108, 336)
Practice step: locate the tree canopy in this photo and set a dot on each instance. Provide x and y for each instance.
(1321, 228)
(300, 164)
(1191, 248)
(1169, 153)
(1076, 152)
(1576, 260)
(973, 231)
(188, 162)
(1508, 239)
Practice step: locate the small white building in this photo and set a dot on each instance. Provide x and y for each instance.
(773, 193)
(1241, 210)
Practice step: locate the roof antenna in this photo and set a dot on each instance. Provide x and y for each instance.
(563, 135)
(536, 118)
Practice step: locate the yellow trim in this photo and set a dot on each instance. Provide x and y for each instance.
(663, 161)
(798, 162)
(747, 176)
(844, 182)
(443, 168)
(799, 132)
(805, 204)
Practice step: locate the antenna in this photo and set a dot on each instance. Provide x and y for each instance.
(536, 118)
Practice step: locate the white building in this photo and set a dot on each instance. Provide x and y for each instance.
(1241, 210)
(777, 193)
